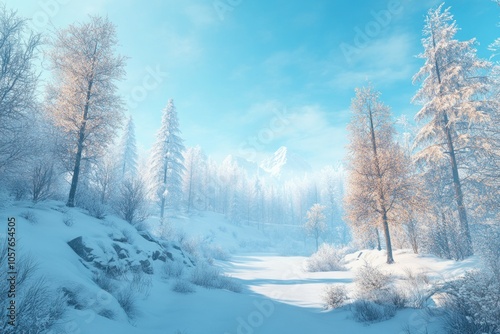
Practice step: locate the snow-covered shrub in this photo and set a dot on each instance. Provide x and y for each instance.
(211, 277)
(472, 304)
(38, 306)
(215, 252)
(368, 311)
(371, 282)
(104, 281)
(141, 283)
(42, 176)
(488, 247)
(68, 220)
(127, 300)
(131, 202)
(182, 286)
(417, 288)
(335, 296)
(327, 258)
(95, 208)
(30, 216)
(191, 246)
(378, 299)
(172, 269)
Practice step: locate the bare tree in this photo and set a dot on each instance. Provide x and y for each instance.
(315, 224)
(83, 96)
(131, 203)
(18, 81)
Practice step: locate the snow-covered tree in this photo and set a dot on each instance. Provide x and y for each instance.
(453, 82)
(127, 154)
(167, 161)
(82, 97)
(18, 81)
(379, 181)
(315, 225)
(193, 181)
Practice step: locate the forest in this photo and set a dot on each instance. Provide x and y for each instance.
(430, 185)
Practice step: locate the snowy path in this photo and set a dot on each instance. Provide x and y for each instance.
(283, 279)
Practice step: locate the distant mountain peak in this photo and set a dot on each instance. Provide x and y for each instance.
(285, 163)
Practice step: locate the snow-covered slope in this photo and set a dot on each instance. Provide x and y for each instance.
(77, 254)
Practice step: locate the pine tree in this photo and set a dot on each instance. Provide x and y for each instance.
(452, 81)
(195, 163)
(128, 151)
(167, 161)
(379, 182)
(83, 97)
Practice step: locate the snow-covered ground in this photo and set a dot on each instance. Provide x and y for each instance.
(278, 294)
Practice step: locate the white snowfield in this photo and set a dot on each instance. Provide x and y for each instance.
(278, 295)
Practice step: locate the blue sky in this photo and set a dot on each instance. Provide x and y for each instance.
(250, 76)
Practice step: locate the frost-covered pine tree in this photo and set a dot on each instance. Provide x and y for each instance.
(167, 161)
(453, 81)
(195, 163)
(128, 151)
(83, 98)
(379, 180)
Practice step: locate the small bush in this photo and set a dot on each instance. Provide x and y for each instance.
(141, 283)
(38, 306)
(172, 269)
(216, 252)
(131, 203)
(472, 304)
(192, 246)
(327, 258)
(368, 312)
(93, 205)
(104, 281)
(418, 288)
(126, 298)
(371, 282)
(335, 296)
(211, 277)
(30, 216)
(182, 286)
(396, 297)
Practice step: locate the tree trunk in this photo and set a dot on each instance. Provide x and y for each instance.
(381, 195)
(162, 204)
(379, 247)
(78, 158)
(467, 249)
(388, 245)
(462, 213)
